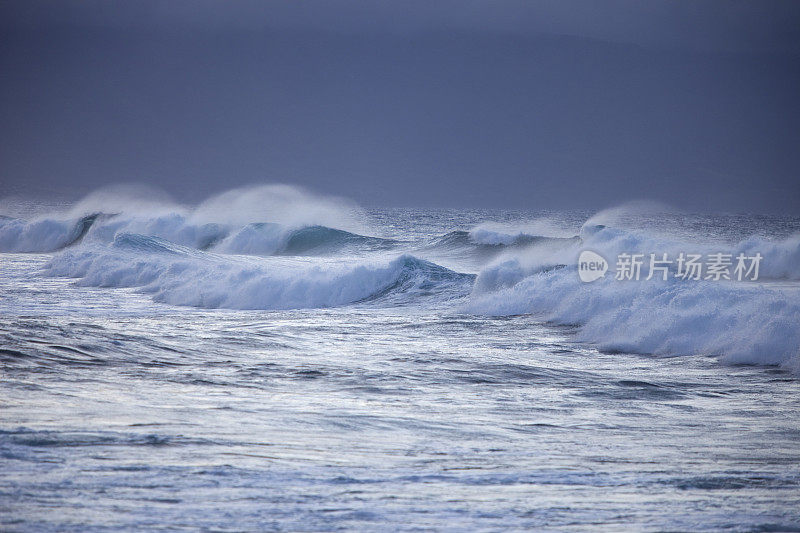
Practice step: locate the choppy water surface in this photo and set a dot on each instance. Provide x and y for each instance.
(148, 382)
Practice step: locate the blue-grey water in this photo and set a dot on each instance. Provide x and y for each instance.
(336, 383)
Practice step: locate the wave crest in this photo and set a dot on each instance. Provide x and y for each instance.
(273, 239)
(743, 323)
(178, 276)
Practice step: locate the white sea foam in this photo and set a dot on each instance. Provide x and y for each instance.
(155, 247)
(250, 220)
(43, 235)
(184, 276)
(742, 322)
(254, 239)
(781, 258)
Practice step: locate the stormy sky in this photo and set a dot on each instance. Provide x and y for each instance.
(523, 104)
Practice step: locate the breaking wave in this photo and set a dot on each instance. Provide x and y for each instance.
(45, 235)
(178, 275)
(261, 220)
(208, 256)
(754, 322)
(260, 238)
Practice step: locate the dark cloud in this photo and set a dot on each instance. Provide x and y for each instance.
(540, 104)
(710, 24)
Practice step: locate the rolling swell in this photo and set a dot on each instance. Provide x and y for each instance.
(489, 245)
(264, 238)
(179, 276)
(144, 244)
(322, 239)
(260, 238)
(418, 278)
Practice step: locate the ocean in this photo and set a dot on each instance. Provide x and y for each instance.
(272, 360)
